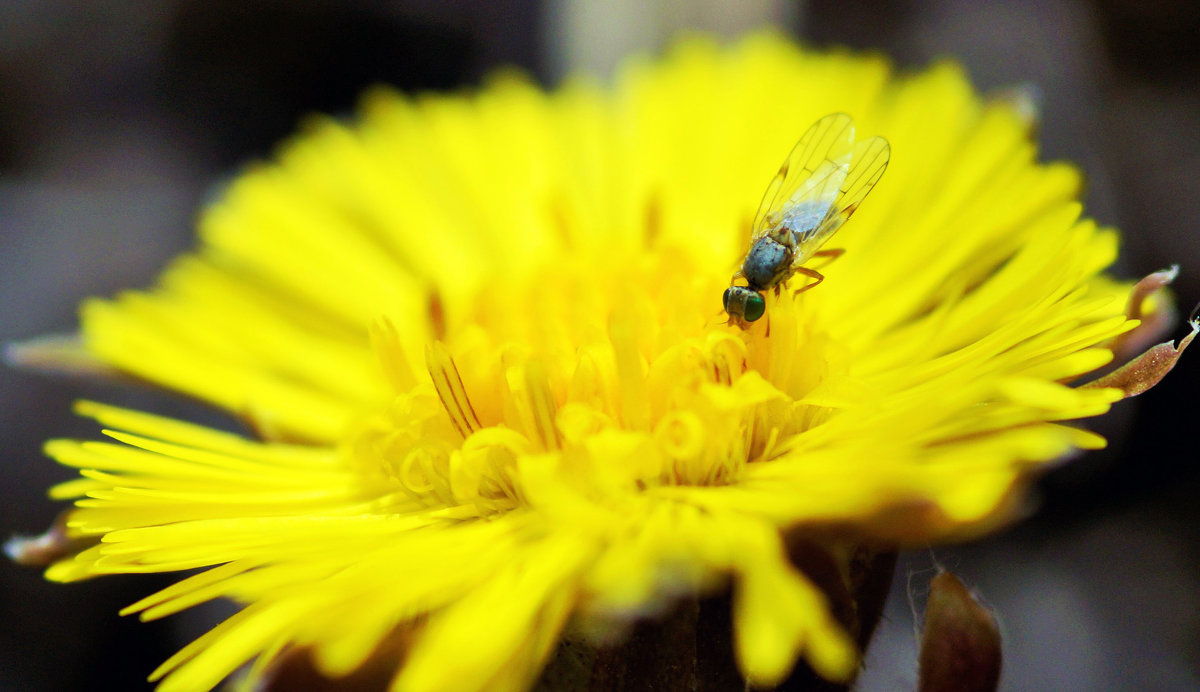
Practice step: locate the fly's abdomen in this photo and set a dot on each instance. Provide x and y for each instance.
(804, 221)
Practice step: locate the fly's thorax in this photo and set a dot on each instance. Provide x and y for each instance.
(768, 263)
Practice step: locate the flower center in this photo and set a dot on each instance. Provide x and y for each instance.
(616, 375)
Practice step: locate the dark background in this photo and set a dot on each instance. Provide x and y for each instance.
(116, 119)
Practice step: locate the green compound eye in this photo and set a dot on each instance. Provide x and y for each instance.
(755, 307)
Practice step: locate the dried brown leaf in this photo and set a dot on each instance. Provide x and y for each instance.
(1148, 369)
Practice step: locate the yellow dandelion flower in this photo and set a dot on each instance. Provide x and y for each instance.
(481, 339)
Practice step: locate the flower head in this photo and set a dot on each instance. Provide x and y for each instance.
(482, 340)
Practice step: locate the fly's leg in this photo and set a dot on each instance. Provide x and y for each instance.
(817, 276)
(828, 255)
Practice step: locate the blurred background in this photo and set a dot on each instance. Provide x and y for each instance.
(117, 119)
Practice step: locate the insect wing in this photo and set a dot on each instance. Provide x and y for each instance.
(867, 164)
(823, 150)
(811, 205)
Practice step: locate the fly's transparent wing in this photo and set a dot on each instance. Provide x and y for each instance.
(811, 175)
(867, 163)
(810, 205)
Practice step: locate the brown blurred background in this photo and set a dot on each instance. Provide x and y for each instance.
(117, 119)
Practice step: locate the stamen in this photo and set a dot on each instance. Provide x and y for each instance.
(450, 390)
(781, 357)
(541, 405)
(437, 315)
(533, 404)
(728, 356)
(385, 342)
(417, 470)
